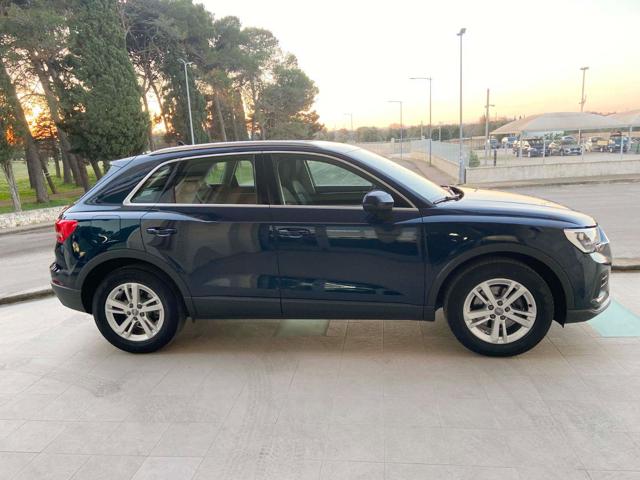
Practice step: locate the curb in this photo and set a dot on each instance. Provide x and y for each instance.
(552, 183)
(26, 296)
(626, 265)
(27, 228)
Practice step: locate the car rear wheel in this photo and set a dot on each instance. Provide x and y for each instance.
(499, 308)
(136, 311)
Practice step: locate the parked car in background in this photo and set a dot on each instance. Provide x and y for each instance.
(614, 143)
(493, 143)
(565, 146)
(596, 144)
(531, 147)
(508, 142)
(294, 229)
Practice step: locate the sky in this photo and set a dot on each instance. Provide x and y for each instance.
(361, 54)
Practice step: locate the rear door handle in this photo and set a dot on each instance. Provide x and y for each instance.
(161, 232)
(292, 232)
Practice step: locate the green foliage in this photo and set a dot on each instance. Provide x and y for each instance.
(473, 159)
(284, 105)
(105, 118)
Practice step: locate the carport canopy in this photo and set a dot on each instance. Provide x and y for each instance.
(627, 119)
(552, 122)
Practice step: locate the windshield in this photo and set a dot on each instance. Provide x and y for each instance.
(414, 182)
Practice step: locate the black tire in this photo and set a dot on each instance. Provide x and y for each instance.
(174, 316)
(485, 270)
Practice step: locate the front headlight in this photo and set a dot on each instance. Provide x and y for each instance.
(586, 240)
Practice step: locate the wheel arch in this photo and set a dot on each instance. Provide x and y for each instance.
(103, 264)
(543, 265)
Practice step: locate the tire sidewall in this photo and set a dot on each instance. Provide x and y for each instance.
(172, 314)
(522, 274)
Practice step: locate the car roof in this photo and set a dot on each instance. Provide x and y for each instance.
(253, 144)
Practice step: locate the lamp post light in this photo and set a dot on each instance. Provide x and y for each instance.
(399, 102)
(430, 80)
(461, 174)
(353, 134)
(186, 81)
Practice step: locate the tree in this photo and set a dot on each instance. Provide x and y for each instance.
(22, 132)
(105, 117)
(36, 32)
(8, 143)
(284, 106)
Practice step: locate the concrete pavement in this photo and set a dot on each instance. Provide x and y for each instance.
(378, 400)
(25, 257)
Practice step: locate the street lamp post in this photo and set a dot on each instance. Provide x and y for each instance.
(399, 102)
(429, 79)
(186, 81)
(583, 100)
(461, 175)
(353, 134)
(486, 128)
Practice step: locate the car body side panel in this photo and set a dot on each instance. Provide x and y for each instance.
(223, 253)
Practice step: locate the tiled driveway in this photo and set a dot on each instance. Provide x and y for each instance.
(339, 400)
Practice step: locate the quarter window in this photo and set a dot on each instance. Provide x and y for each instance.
(202, 181)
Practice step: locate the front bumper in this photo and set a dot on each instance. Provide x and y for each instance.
(576, 316)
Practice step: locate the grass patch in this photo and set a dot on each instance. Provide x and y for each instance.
(67, 193)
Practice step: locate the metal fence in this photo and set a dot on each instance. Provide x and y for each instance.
(446, 151)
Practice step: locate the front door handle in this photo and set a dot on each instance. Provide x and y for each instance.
(161, 232)
(292, 232)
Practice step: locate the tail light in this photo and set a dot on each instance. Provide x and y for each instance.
(64, 228)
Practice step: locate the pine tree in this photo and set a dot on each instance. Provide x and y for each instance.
(105, 116)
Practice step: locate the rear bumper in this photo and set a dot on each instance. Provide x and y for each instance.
(69, 297)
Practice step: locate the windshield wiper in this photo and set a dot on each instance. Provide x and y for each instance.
(457, 194)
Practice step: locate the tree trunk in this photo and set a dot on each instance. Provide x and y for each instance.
(56, 160)
(163, 112)
(149, 125)
(34, 164)
(47, 175)
(242, 119)
(216, 102)
(96, 169)
(7, 169)
(82, 172)
(78, 169)
(254, 99)
(66, 164)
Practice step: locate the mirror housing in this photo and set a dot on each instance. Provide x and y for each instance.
(377, 202)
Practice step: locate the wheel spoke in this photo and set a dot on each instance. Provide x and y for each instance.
(505, 335)
(488, 294)
(125, 327)
(495, 331)
(479, 322)
(116, 306)
(147, 326)
(477, 314)
(509, 300)
(135, 294)
(525, 322)
(148, 308)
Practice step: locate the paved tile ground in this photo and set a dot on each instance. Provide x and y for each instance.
(337, 400)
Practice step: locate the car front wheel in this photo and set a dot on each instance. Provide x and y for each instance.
(499, 308)
(136, 311)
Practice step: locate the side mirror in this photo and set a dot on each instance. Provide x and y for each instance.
(377, 202)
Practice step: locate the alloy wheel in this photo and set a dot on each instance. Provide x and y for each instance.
(499, 311)
(134, 311)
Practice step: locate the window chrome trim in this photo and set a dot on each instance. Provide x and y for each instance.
(127, 201)
(340, 160)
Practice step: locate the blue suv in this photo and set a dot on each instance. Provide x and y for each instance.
(292, 229)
